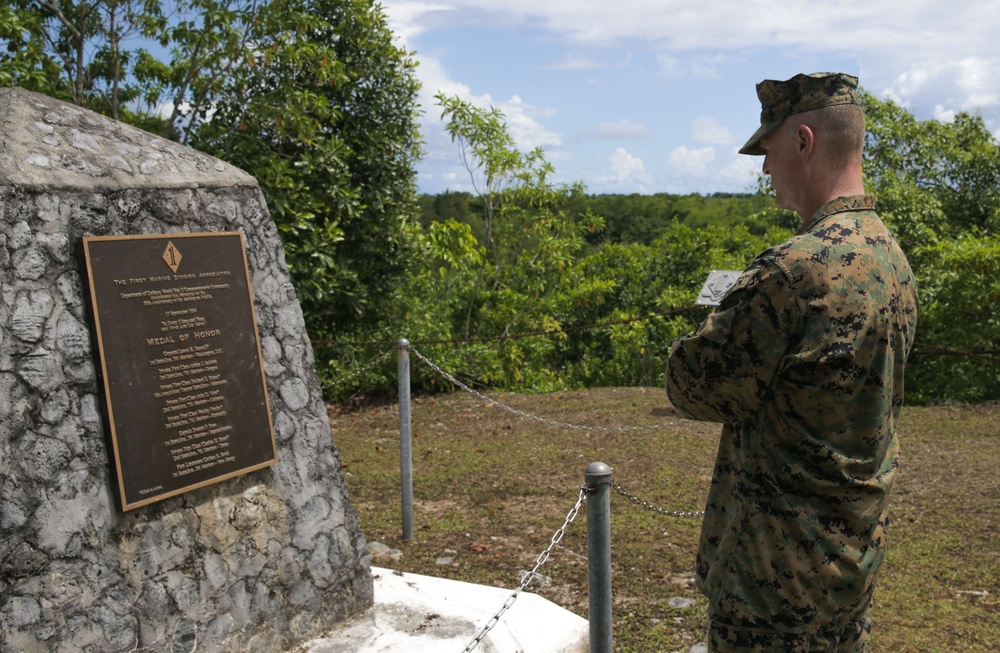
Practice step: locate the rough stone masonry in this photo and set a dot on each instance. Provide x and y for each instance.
(254, 563)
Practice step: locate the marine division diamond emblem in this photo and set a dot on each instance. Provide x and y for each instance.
(172, 256)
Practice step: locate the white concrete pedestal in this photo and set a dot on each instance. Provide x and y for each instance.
(423, 614)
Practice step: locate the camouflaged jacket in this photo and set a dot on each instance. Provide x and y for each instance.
(803, 363)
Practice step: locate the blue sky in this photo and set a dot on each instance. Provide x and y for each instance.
(651, 96)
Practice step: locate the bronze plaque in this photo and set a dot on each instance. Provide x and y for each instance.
(180, 356)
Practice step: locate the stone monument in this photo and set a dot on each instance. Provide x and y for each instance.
(256, 561)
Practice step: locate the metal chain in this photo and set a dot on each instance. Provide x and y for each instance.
(359, 372)
(652, 508)
(521, 413)
(542, 558)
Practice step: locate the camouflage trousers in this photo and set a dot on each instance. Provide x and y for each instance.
(729, 638)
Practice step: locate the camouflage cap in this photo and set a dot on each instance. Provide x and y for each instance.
(801, 93)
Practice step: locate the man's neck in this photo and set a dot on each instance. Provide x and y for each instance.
(845, 183)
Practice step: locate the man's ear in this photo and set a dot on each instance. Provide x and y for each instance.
(805, 140)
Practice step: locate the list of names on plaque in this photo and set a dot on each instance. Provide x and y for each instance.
(181, 361)
(185, 354)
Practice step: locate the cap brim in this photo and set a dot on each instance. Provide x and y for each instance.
(752, 146)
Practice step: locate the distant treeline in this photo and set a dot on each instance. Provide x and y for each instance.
(631, 218)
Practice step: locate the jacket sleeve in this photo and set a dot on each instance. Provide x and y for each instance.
(725, 371)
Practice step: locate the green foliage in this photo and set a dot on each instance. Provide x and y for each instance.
(611, 308)
(635, 218)
(24, 58)
(639, 292)
(529, 228)
(960, 310)
(212, 47)
(323, 114)
(459, 206)
(81, 52)
(934, 179)
(643, 218)
(938, 189)
(379, 127)
(620, 287)
(604, 315)
(531, 239)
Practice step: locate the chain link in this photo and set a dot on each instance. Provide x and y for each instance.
(544, 420)
(542, 558)
(648, 506)
(358, 372)
(557, 537)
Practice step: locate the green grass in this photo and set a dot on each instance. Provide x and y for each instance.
(491, 488)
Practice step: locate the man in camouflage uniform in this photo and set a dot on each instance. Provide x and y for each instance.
(803, 363)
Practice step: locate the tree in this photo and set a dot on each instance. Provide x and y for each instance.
(934, 179)
(25, 60)
(82, 52)
(938, 188)
(959, 312)
(530, 233)
(312, 97)
(99, 54)
(323, 114)
(379, 128)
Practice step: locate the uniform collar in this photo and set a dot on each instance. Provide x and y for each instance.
(840, 205)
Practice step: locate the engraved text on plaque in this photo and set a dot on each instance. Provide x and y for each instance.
(181, 361)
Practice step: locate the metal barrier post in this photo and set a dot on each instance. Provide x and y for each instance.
(598, 481)
(405, 438)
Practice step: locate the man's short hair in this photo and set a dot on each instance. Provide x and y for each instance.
(841, 128)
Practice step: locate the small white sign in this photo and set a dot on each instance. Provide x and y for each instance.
(716, 286)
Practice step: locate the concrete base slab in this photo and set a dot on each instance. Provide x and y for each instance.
(423, 614)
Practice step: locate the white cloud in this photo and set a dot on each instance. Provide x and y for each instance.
(731, 172)
(944, 115)
(935, 58)
(670, 66)
(709, 131)
(969, 84)
(692, 161)
(979, 80)
(722, 24)
(522, 119)
(528, 133)
(624, 129)
(695, 39)
(740, 174)
(405, 18)
(573, 62)
(697, 67)
(442, 160)
(624, 169)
